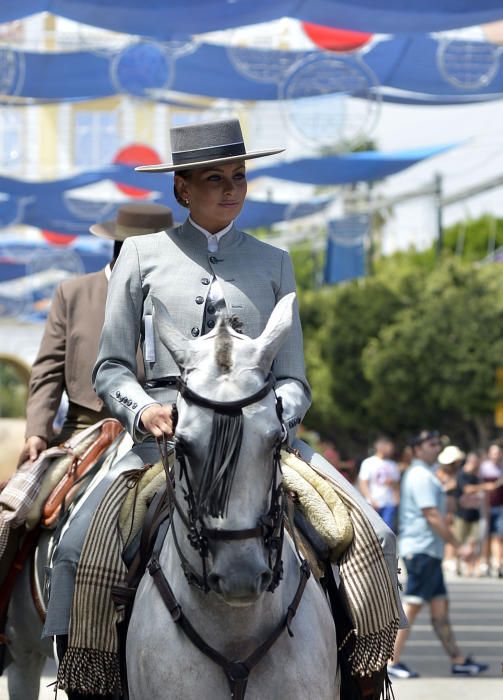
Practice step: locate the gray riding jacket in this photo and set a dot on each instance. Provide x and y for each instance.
(176, 267)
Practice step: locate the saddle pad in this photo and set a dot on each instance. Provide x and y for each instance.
(319, 503)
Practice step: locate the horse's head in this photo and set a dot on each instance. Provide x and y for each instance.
(227, 437)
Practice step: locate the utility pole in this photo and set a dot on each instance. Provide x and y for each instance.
(438, 205)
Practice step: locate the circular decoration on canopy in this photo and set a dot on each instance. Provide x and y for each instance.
(86, 209)
(258, 55)
(319, 101)
(136, 154)
(180, 45)
(332, 39)
(57, 238)
(142, 66)
(46, 269)
(12, 72)
(468, 65)
(263, 66)
(62, 260)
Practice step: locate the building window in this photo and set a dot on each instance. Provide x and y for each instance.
(96, 138)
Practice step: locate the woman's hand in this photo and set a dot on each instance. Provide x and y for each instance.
(157, 420)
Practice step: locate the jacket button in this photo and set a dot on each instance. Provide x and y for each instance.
(211, 323)
(130, 401)
(199, 300)
(211, 309)
(135, 405)
(195, 332)
(118, 395)
(213, 259)
(205, 280)
(124, 399)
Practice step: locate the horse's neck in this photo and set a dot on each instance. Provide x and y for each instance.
(232, 630)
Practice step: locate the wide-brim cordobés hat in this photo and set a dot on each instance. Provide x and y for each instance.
(205, 144)
(135, 220)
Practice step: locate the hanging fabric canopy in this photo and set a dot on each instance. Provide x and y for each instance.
(422, 68)
(328, 170)
(345, 253)
(161, 19)
(73, 215)
(349, 167)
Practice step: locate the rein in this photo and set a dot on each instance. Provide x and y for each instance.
(270, 527)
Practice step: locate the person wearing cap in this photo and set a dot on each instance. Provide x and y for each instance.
(69, 345)
(423, 533)
(449, 463)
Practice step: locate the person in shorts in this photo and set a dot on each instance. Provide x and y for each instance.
(423, 532)
(470, 494)
(379, 481)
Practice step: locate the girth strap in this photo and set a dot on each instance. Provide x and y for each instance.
(237, 672)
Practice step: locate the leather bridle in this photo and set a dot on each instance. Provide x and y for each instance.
(270, 528)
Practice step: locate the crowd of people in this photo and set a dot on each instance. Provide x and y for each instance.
(473, 486)
(447, 510)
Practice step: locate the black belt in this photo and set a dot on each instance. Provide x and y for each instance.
(162, 382)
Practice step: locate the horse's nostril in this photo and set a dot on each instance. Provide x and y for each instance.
(214, 582)
(264, 580)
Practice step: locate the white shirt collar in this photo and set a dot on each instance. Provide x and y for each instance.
(212, 238)
(108, 271)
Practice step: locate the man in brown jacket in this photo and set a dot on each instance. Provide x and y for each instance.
(70, 342)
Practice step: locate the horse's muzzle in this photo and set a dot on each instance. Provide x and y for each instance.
(242, 583)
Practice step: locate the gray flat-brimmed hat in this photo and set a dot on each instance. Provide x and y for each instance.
(135, 220)
(204, 144)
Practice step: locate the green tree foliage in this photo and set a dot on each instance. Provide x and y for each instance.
(13, 392)
(474, 239)
(417, 344)
(435, 363)
(337, 323)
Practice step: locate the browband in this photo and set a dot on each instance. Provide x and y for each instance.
(227, 407)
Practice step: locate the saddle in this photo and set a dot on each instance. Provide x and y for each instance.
(71, 483)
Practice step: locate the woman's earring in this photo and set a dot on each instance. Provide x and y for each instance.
(187, 202)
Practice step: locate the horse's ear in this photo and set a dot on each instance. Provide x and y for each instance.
(176, 342)
(276, 331)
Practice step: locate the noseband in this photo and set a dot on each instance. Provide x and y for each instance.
(270, 527)
(227, 422)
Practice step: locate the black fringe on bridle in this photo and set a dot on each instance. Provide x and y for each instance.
(220, 464)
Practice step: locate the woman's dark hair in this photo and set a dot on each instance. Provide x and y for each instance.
(186, 176)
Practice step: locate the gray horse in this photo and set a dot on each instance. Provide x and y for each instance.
(235, 613)
(26, 649)
(27, 652)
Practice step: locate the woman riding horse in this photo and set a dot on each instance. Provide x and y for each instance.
(204, 268)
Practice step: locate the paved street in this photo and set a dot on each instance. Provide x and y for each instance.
(477, 614)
